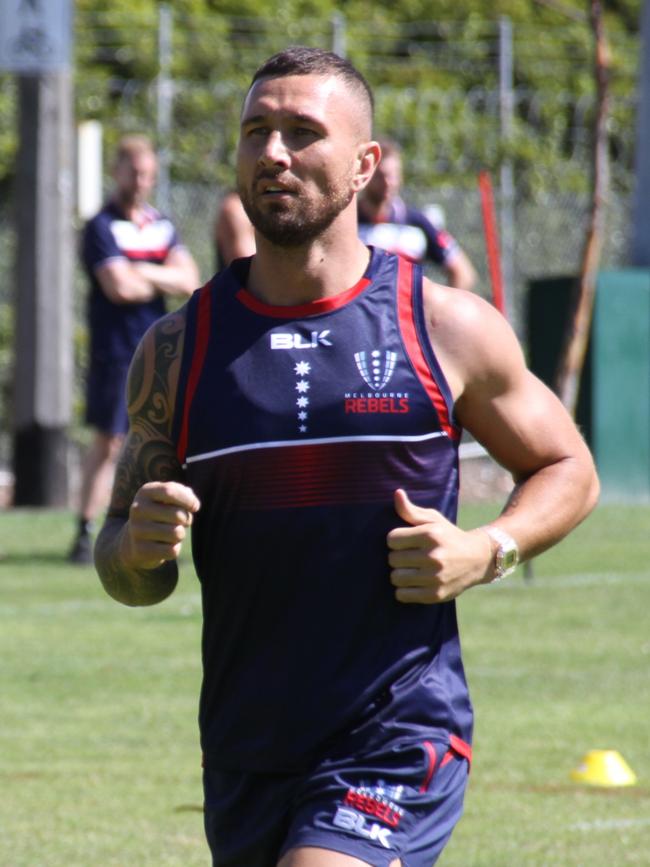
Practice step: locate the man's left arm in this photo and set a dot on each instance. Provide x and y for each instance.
(445, 251)
(460, 271)
(178, 275)
(525, 428)
(234, 233)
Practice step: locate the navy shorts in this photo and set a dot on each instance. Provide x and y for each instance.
(106, 397)
(398, 803)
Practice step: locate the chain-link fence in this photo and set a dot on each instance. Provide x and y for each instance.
(459, 96)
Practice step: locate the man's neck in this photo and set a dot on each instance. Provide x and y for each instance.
(136, 212)
(298, 275)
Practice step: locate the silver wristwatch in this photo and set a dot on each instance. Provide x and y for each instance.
(507, 553)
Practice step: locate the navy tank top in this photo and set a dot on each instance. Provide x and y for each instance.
(294, 426)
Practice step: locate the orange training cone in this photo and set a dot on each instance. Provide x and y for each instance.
(604, 768)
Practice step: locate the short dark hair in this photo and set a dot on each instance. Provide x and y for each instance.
(302, 60)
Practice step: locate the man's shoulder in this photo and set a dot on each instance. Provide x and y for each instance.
(448, 303)
(110, 212)
(170, 325)
(153, 215)
(414, 216)
(461, 318)
(160, 348)
(103, 217)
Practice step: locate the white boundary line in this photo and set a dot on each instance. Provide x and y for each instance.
(186, 604)
(586, 579)
(609, 824)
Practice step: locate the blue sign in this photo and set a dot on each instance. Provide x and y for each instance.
(36, 35)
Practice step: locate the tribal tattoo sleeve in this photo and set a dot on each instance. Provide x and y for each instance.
(148, 453)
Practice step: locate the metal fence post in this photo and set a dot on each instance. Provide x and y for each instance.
(164, 103)
(506, 180)
(43, 335)
(339, 36)
(640, 245)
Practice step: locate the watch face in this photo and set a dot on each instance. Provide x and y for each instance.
(508, 559)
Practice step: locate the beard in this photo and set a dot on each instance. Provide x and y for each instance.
(301, 222)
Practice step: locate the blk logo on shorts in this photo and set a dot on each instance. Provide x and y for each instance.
(349, 820)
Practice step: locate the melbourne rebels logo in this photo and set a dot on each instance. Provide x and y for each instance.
(376, 367)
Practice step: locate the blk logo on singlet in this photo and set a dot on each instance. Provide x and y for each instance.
(292, 340)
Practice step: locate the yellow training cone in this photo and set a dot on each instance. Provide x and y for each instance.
(604, 768)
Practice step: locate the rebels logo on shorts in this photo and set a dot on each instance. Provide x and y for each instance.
(374, 804)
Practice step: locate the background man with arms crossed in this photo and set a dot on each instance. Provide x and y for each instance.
(303, 414)
(134, 259)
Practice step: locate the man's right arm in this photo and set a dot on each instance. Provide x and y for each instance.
(126, 282)
(122, 282)
(178, 275)
(150, 509)
(234, 234)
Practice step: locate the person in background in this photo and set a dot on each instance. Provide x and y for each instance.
(234, 236)
(134, 260)
(302, 414)
(386, 221)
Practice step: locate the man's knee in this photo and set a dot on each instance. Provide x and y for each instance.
(107, 445)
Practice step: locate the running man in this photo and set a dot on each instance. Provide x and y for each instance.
(302, 414)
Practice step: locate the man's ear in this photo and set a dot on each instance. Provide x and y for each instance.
(368, 156)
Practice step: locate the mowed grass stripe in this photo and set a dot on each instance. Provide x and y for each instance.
(189, 604)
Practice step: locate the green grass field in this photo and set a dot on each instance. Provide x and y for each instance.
(99, 758)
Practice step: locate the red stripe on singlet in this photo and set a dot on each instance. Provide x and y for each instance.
(409, 332)
(200, 348)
